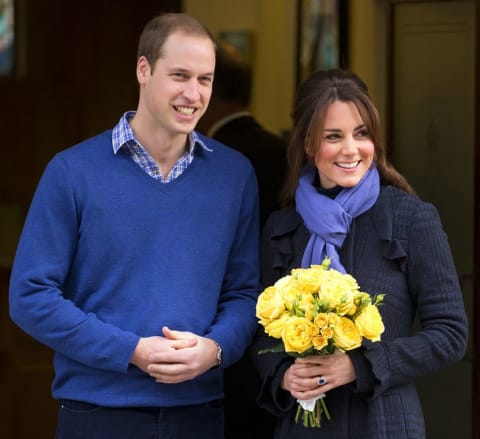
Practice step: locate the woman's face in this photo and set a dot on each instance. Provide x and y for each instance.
(346, 150)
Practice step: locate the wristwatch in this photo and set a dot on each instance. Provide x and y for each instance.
(219, 355)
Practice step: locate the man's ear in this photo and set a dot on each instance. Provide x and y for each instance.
(144, 69)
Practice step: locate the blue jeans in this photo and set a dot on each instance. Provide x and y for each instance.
(78, 420)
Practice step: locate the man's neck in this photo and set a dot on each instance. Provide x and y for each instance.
(162, 147)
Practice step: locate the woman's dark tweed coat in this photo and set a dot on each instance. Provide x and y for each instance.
(398, 247)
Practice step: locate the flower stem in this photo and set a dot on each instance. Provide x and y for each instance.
(318, 414)
(324, 406)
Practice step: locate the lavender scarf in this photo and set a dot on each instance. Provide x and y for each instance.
(328, 220)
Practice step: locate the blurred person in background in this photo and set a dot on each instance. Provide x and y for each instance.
(229, 120)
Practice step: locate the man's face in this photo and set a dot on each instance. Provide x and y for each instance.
(176, 91)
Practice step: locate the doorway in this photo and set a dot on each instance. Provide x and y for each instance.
(433, 145)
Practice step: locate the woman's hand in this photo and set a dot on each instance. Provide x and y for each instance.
(304, 378)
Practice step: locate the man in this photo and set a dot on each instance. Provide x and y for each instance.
(138, 262)
(228, 119)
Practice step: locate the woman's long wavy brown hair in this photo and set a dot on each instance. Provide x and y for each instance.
(314, 96)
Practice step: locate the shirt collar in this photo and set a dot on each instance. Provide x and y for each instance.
(122, 133)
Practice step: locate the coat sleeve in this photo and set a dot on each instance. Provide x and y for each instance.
(434, 292)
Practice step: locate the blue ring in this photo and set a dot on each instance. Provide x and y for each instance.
(322, 381)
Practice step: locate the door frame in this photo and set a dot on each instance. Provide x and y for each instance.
(476, 266)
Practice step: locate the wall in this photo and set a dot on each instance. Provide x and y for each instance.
(368, 44)
(273, 24)
(273, 27)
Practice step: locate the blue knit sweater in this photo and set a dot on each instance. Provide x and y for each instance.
(108, 255)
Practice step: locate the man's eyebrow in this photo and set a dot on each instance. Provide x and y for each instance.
(189, 72)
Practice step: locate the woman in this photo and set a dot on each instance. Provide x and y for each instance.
(344, 200)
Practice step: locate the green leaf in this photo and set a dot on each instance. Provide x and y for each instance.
(277, 348)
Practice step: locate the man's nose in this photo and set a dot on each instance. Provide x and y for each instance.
(192, 90)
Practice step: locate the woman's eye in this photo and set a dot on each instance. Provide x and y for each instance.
(362, 133)
(332, 137)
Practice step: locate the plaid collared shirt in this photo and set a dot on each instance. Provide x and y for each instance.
(122, 137)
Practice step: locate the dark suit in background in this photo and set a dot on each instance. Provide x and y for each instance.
(265, 150)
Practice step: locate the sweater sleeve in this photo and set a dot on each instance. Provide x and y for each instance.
(37, 300)
(235, 322)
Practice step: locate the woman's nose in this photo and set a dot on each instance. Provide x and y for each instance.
(349, 145)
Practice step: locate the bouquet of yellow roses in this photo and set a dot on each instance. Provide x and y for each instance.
(315, 311)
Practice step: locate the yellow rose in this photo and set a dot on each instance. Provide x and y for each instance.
(346, 305)
(362, 299)
(270, 305)
(319, 342)
(298, 333)
(337, 292)
(352, 310)
(369, 323)
(275, 327)
(283, 282)
(289, 289)
(310, 278)
(333, 318)
(327, 332)
(321, 319)
(346, 335)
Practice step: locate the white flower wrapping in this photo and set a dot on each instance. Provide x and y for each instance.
(309, 404)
